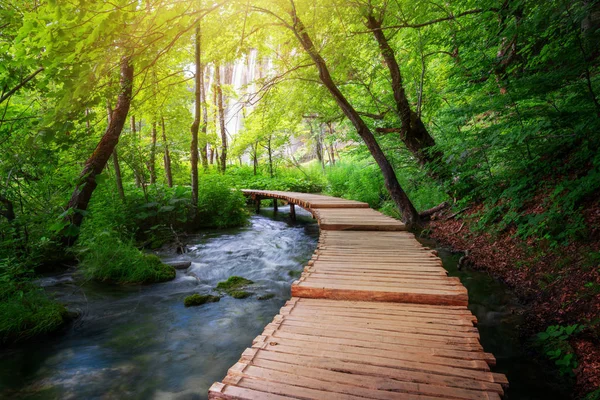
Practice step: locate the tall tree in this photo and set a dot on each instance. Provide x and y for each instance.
(167, 155)
(152, 161)
(196, 124)
(409, 214)
(94, 165)
(219, 92)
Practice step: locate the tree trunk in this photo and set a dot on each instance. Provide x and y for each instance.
(255, 157)
(413, 133)
(115, 160)
(118, 177)
(9, 210)
(204, 136)
(95, 164)
(167, 156)
(409, 214)
(196, 124)
(331, 150)
(219, 92)
(270, 150)
(212, 155)
(152, 163)
(136, 172)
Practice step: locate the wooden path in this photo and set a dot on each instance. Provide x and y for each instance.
(373, 316)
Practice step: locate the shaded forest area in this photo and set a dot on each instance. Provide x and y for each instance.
(474, 121)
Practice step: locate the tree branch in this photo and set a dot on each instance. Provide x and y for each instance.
(20, 85)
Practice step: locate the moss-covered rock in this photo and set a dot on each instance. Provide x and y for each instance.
(234, 283)
(199, 299)
(240, 294)
(267, 296)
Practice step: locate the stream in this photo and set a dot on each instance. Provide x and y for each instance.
(140, 342)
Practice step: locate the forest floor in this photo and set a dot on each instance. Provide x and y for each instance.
(558, 286)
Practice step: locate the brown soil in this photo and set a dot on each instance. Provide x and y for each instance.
(559, 286)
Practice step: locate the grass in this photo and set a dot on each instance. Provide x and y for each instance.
(27, 311)
(199, 299)
(108, 259)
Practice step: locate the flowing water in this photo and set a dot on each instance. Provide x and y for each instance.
(140, 342)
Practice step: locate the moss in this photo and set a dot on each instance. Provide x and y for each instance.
(199, 299)
(295, 274)
(239, 294)
(27, 311)
(233, 283)
(267, 296)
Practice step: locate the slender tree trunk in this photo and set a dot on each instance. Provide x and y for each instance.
(136, 172)
(196, 124)
(203, 136)
(152, 163)
(9, 211)
(221, 118)
(413, 133)
(95, 164)
(331, 150)
(270, 149)
(409, 214)
(167, 156)
(118, 177)
(212, 156)
(115, 159)
(255, 156)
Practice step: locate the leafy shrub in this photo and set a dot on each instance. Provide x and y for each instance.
(218, 205)
(108, 259)
(554, 343)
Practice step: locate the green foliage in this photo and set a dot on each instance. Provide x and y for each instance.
(108, 259)
(25, 310)
(555, 345)
(218, 205)
(198, 299)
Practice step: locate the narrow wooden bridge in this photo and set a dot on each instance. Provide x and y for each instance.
(373, 316)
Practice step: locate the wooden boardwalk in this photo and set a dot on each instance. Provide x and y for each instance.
(373, 316)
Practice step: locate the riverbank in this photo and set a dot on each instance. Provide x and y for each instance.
(559, 286)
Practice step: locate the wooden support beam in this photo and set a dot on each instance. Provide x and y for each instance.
(257, 203)
(293, 212)
(275, 209)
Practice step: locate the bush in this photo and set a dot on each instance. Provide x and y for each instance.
(218, 205)
(108, 259)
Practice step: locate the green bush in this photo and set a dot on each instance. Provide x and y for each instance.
(218, 205)
(108, 259)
